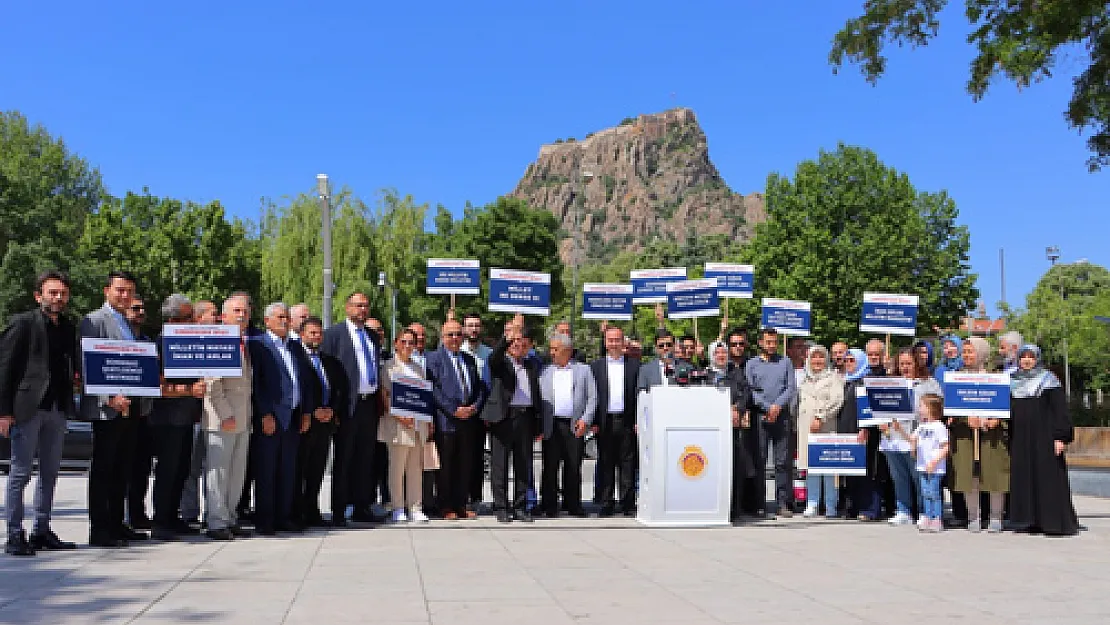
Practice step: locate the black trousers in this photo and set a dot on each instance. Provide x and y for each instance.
(356, 440)
(275, 463)
(477, 468)
(138, 482)
(510, 440)
(112, 458)
(743, 471)
(456, 451)
(248, 481)
(616, 462)
(780, 436)
(173, 447)
(563, 447)
(312, 461)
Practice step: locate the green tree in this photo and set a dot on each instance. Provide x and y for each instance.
(46, 193)
(1022, 41)
(846, 224)
(1064, 305)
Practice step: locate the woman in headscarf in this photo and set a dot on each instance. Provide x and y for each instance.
(951, 350)
(864, 497)
(1040, 495)
(896, 445)
(994, 450)
(724, 374)
(821, 394)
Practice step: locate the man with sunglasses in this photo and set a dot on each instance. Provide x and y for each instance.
(658, 370)
(139, 481)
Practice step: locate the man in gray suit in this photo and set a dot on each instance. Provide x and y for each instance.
(657, 370)
(114, 429)
(569, 400)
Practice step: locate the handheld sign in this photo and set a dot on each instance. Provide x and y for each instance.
(525, 292)
(649, 286)
(889, 314)
(120, 368)
(607, 301)
(448, 276)
(864, 418)
(732, 280)
(201, 351)
(411, 397)
(889, 399)
(787, 316)
(836, 454)
(985, 395)
(693, 298)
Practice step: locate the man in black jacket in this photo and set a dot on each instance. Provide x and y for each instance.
(512, 412)
(329, 386)
(38, 354)
(615, 418)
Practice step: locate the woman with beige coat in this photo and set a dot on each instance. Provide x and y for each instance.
(405, 438)
(820, 394)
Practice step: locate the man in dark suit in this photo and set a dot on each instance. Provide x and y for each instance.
(114, 425)
(459, 395)
(616, 378)
(38, 355)
(281, 403)
(138, 482)
(659, 370)
(329, 386)
(512, 412)
(356, 437)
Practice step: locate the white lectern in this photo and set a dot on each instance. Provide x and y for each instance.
(685, 438)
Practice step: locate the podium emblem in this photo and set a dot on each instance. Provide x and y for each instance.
(693, 461)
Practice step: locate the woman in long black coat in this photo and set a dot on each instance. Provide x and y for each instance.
(1040, 429)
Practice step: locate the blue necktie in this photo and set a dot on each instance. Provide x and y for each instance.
(124, 328)
(323, 378)
(371, 370)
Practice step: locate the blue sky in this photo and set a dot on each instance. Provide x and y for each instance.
(449, 102)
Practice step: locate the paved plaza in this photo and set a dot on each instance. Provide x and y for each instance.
(604, 571)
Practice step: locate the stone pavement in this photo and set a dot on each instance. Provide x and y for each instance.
(609, 571)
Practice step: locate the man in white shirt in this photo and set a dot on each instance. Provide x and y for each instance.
(615, 417)
(569, 404)
(473, 345)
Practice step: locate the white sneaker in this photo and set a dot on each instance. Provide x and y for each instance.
(417, 515)
(900, 518)
(923, 523)
(399, 516)
(810, 512)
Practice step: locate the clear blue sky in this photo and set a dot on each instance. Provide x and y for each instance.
(449, 102)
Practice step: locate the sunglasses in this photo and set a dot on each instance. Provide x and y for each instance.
(138, 309)
(664, 345)
(738, 344)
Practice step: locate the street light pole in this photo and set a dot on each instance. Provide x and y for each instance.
(1053, 254)
(385, 284)
(325, 235)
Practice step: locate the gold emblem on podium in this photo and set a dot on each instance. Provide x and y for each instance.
(693, 461)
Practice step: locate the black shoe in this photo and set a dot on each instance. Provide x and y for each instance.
(164, 534)
(238, 531)
(337, 520)
(49, 541)
(18, 545)
(182, 528)
(606, 511)
(245, 514)
(289, 527)
(266, 530)
(630, 512)
(578, 513)
(524, 516)
(551, 514)
(315, 520)
(107, 542)
(130, 535)
(141, 523)
(223, 534)
(503, 516)
(367, 516)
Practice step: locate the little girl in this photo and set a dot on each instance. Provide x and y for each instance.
(930, 443)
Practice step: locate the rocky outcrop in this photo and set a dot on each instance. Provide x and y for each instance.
(648, 177)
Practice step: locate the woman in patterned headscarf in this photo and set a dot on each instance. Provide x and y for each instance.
(1040, 495)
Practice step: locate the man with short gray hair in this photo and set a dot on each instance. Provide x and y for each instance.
(569, 395)
(297, 314)
(1008, 345)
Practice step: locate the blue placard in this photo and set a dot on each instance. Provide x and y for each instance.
(693, 298)
(732, 280)
(120, 368)
(787, 316)
(889, 314)
(889, 398)
(612, 302)
(411, 397)
(864, 418)
(448, 276)
(526, 292)
(649, 286)
(201, 351)
(984, 395)
(836, 454)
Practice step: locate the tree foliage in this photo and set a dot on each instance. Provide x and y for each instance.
(1022, 41)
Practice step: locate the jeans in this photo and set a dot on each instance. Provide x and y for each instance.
(42, 434)
(901, 465)
(813, 492)
(933, 506)
(778, 436)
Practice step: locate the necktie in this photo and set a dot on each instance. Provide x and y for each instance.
(124, 328)
(462, 377)
(323, 378)
(371, 369)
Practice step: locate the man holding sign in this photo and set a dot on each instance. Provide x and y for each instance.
(772, 380)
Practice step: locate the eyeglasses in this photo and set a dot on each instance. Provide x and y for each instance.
(738, 344)
(138, 309)
(452, 335)
(664, 345)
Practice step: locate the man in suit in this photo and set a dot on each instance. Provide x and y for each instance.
(114, 425)
(459, 396)
(282, 403)
(356, 437)
(615, 417)
(38, 356)
(138, 482)
(658, 370)
(569, 404)
(329, 386)
(512, 411)
(473, 345)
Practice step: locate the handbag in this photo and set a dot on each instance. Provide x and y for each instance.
(431, 456)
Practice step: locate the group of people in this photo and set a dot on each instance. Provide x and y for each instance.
(255, 447)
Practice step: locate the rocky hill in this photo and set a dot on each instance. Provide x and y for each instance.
(648, 177)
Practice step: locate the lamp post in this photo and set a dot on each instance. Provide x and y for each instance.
(584, 179)
(325, 235)
(1052, 253)
(384, 283)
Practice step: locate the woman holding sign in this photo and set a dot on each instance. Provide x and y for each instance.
(1041, 495)
(821, 395)
(896, 446)
(405, 437)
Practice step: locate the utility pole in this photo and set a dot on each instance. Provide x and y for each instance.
(1053, 254)
(325, 235)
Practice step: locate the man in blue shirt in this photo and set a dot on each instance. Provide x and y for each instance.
(771, 378)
